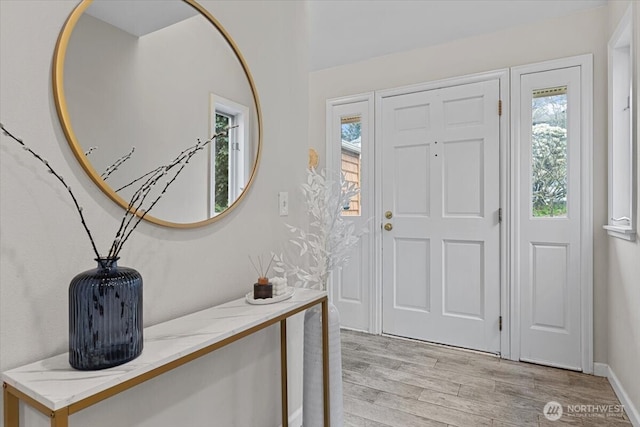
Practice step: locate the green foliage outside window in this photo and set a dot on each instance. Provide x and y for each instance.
(549, 156)
(549, 169)
(222, 165)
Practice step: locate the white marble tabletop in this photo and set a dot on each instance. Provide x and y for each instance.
(55, 384)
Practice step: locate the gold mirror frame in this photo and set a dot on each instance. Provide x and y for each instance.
(63, 114)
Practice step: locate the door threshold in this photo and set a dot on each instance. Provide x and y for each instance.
(453, 347)
(549, 364)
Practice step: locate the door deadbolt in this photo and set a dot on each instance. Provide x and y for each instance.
(388, 215)
(388, 226)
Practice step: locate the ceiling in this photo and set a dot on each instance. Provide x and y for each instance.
(346, 31)
(139, 18)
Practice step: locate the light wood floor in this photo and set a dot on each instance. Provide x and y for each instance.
(396, 382)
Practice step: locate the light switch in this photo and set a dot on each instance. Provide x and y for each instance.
(283, 203)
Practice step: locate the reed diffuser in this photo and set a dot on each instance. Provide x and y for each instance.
(263, 288)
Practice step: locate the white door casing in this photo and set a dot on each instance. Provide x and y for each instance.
(510, 188)
(440, 179)
(350, 287)
(552, 256)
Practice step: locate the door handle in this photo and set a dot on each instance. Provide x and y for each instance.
(388, 226)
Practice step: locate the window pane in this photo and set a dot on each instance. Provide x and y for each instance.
(549, 152)
(351, 158)
(222, 164)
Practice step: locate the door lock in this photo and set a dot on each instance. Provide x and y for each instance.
(388, 226)
(388, 215)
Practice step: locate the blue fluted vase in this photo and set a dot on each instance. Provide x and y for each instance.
(105, 316)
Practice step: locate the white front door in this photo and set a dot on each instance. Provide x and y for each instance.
(350, 151)
(440, 189)
(549, 217)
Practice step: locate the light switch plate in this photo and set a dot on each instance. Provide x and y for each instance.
(283, 203)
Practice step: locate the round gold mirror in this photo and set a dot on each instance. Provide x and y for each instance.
(138, 82)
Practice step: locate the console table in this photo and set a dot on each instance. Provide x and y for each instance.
(57, 390)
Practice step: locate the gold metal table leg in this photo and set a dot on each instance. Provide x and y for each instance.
(11, 408)
(325, 361)
(283, 367)
(60, 418)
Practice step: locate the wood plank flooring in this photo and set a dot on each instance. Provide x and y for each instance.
(401, 383)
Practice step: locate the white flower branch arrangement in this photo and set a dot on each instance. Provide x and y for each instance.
(136, 211)
(330, 238)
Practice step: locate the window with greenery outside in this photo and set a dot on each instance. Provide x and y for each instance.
(549, 154)
(221, 148)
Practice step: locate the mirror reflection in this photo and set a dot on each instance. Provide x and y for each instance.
(143, 81)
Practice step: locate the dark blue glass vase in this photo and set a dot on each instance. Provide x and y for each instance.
(105, 316)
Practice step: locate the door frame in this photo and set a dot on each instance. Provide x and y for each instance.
(585, 62)
(502, 76)
(330, 164)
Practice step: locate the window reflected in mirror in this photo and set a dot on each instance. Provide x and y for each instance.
(220, 164)
(229, 160)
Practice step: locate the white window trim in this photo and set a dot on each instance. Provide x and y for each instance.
(586, 209)
(239, 164)
(621, 232)
(625, 29)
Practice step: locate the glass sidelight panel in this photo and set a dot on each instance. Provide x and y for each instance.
(549, 152)
(351, 158)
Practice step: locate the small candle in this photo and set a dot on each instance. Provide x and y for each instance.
(279, 285)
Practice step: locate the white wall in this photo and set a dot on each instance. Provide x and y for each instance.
(42, 244)
(623, 280)
(577, 34)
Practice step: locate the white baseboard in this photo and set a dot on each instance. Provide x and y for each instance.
(295, 419)
(604, 370)
(600, 369)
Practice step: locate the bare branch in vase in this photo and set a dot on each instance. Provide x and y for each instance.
(131, 218)
(114, 167)
(59, 178)
(135, 212)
